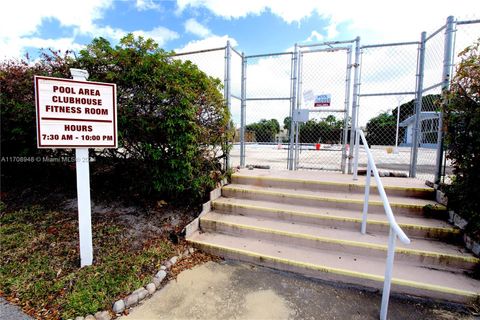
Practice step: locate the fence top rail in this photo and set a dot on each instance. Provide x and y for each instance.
(388, 210)
(269, 54)
(379, 94)
(327, 50)
(435, 32)
(328, 43)
(234, 50)
(468, 21)
(393, 44)
(195, 52)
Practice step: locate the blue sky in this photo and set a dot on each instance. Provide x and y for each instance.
(253, 26)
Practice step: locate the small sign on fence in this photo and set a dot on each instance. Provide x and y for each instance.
(322, 100)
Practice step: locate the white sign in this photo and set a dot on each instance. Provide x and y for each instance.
(75, 114)
(301, 115)
(322, 100)
(308, 96)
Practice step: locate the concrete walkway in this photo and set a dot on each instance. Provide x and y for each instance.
(231, 290)
(11, 312)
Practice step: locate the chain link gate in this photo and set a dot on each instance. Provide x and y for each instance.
(324, 87)
(266, 110)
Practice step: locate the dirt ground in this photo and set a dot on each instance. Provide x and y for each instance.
(234, 290)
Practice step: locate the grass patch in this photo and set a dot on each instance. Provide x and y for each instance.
(39, 266)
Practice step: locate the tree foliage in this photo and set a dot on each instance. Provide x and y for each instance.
(264, 130)
(172, 119)
(328, 130)
(381, 130)
(462, 137)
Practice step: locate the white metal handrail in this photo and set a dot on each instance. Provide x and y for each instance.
(395, 230)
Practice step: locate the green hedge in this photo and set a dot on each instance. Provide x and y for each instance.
(462, 120)
(172, 119)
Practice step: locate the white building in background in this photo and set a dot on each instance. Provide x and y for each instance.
(429, 129)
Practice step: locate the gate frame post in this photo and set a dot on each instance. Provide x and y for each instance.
(293, 102)
(447, 71)
(418, 106)
(227, 94)
(347, 111)
(243, 110)
(355, 105)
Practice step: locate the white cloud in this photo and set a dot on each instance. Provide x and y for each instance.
(14, 47)
(143, 5)
(212, 63)
(315, 36)
(196, 28)
(20, 20)
(376, 20)
(160, 34)
(208, 43)
(16, 33)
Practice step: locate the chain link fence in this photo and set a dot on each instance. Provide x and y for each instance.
(387, 103)
(395, 95)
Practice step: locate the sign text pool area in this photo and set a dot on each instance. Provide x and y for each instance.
(73, 114)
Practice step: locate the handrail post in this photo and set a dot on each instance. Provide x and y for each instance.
(367, 195)
(388, 274)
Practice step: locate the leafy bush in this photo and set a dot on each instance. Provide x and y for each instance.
(18, 133)
(172, 119)
(18, 126)
(462, 120)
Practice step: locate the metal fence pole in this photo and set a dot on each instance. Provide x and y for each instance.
(227, 93)
(297, 107)
(243, 108)
(347, 110)
(356, 92)
(293, 99)
(418, 107)
(447, 67)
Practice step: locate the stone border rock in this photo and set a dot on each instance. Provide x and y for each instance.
(457, 221)
(461, 223)
(140, 294)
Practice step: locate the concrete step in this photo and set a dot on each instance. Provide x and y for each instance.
(408, 278)
(416, 227)
(354, 201)
(305, 180)
(430, 253)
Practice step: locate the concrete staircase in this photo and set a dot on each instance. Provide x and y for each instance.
(309, 223)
